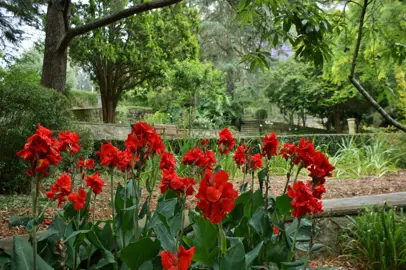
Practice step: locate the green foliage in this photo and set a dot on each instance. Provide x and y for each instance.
(304, 29)
(261, 114)
(377, 239)
(133, 52)
(22, 106)
(82, 99)
(368, 158)
(158, 118)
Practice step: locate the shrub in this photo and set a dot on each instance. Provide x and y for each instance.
(82, 99)
(377, 239)
(22, 106)
(261, 114)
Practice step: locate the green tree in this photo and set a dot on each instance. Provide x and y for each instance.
(133, 52)
(16, 13)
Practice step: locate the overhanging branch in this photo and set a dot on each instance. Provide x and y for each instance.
(357, 85)
(80, 30)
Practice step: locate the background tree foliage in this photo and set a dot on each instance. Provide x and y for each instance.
(134, 51)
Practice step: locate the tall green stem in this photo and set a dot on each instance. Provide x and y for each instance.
(135, 196)
(264, 255)
(222, 238)
(292, 250)
(94, 207)
(288, 175)
(113, 210)
(310, 243)
(34, 192)
(182, 221)
(154, 175)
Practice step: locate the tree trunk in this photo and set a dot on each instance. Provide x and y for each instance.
(109, 109)
(337, 119)
(303, 115)
(55, 61)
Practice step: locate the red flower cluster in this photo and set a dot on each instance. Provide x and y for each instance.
(181, 185)
(60, 189)
(42, 150)
(69, 142)
(255, 162)
(216, 196)
(144, 138)
(303, 200)
(179, 261)
(112, 156)
(320, 168)
(239, 154)
(88, 163)
(270, 146)
(242, 157)
(167, 161)
(226, 141)
(196, 157)
(78, 199)
(95, 183)
(316, 162)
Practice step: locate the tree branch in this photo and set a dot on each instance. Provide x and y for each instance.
(80, 30)
(357, 85)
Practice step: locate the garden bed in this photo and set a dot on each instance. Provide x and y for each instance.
(342, 188)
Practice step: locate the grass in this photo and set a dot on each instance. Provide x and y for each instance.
(371, 158)
(377, 239)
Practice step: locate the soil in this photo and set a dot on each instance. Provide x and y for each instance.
(17, 205)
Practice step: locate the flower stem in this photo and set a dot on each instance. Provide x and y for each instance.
(112, 211)
(310, 243)
(182, 220)
(94, 207)
(222, 239)
(264, 255)
(154, 175)
(292, 250)
(34, 192)
(288, 175)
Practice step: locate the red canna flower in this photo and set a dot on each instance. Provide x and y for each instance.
(179, 261)
(305, 152)
(147, 140)
(132, 142)
(47, 221)
(78, 199)
(181, 185)
(193, 156)
(226, 141)
(209, 160)
(60, 189)
(239, 154)
(320, 168)
(303, 201)
(255, 162)
(167, 161)
(42, 150)
(288, 151)
(270, 146)
(196, 157)
(318, 191)
(88, 163)
(275, 230)
(112, 156)
(204, 142)
(95, 182)
(216, 196)
(69, 142)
